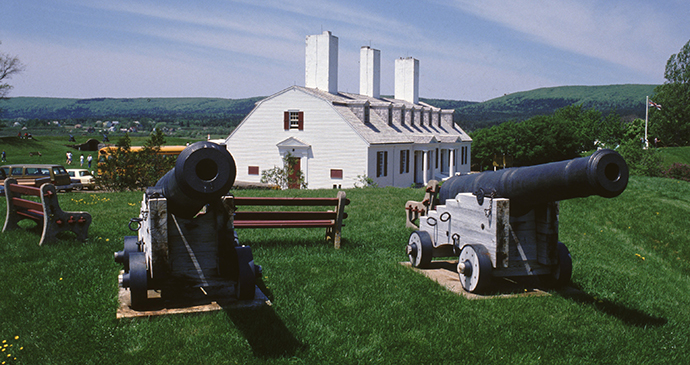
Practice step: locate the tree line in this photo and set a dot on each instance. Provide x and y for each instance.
(573, 130)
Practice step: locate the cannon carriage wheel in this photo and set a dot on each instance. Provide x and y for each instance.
(246, 280)
(138, 279)
(474, 268)
(419, 249)
(562, 273)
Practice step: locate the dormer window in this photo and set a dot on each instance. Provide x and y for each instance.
(293, 119)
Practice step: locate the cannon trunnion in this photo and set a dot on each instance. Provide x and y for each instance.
(186, 244)
(505, 223)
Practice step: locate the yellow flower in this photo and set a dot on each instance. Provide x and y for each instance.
(107, 239)
(3, 349)
(60, 278)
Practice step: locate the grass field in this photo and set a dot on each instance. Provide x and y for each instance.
(631, 258)
(53, 149)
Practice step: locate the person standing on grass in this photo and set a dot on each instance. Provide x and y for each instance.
(4, 156)
(89, 159)
(81, 160)
(69, 157)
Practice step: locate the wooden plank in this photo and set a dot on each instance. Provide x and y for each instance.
(26, 190)
(37, 218)
(284, 224)
(445, 273)
(27, 204)
(157, 306)
(266, 201)
(280, 216)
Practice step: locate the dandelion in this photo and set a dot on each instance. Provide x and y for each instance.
(107, 239)
(60, 279)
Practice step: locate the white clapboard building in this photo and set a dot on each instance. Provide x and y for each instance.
(336, 138)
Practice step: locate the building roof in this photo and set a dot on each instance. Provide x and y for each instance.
(378, 130)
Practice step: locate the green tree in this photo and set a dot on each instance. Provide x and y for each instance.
(563, 135)
(671, 124)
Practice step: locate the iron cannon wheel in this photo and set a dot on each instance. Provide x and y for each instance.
(564, 271)
(419, 249)
(246, 280)
(474, 268)
(138, 279)
(131, 245)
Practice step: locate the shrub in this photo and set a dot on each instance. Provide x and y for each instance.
(679, 171)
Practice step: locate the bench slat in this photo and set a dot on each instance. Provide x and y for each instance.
(287, 201)
(278, 216)
(284, 224)
(26, 190)
(34, 216)
(27, 204)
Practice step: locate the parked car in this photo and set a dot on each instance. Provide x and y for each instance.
(84, 177)
(38, 174)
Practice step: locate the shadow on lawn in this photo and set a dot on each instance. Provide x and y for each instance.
(265, 331)
(629, 316)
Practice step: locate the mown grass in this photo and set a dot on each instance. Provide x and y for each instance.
(54, 148)
(631, 260)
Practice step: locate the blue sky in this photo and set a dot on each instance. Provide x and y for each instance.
(468, 50)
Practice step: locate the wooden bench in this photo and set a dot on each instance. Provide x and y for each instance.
(331, 220)
(46, 213)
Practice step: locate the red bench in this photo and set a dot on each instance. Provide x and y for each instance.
(47, 213)
(332, 220)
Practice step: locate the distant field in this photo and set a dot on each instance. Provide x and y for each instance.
(53, 149)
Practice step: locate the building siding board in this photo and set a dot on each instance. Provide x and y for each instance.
(255, 141)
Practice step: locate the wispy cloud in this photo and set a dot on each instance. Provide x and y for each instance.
(620, 32)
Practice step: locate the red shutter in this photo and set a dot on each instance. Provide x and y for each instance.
(286, 120)
(301, 121)
(253, 170)
(336, 174)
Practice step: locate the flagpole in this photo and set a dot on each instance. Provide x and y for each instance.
(646, 121)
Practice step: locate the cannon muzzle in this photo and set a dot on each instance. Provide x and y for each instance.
(604, 173)
(204, 172)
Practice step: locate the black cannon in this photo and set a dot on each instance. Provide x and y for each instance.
(186, 243)
(505, 223)
(203, 173)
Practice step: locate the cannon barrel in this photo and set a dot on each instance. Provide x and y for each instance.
(203, 172)
(604, 173)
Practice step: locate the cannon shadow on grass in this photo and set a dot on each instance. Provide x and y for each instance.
(627, 315)
(264, 330)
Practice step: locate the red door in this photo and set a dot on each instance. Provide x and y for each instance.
(294, 172)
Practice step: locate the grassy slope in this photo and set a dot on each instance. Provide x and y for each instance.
(61, 108)
(625, 99)
(53, 149)
(357, 304)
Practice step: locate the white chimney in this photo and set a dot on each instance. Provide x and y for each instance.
(321, 66)
(370, 72)
(407, 79)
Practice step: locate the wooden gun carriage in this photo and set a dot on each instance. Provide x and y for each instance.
(505, 223)
(185, 239)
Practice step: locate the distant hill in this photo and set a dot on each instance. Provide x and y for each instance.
(138, 108)
(626, 100)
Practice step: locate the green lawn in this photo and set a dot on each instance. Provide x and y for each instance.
(631, 259)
